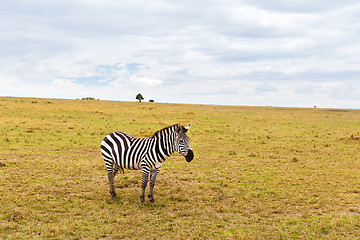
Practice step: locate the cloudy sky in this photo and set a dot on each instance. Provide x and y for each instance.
(296, 53)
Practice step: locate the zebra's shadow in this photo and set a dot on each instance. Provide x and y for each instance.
(136, 202)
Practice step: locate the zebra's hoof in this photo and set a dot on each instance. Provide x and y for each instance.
(142, 198)
(151, 198)
(113, 194)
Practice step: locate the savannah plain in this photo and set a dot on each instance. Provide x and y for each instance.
(258, 172)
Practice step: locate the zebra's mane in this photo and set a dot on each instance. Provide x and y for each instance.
(166, 130)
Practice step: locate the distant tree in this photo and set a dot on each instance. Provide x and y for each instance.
(139, 97)
(151, 100)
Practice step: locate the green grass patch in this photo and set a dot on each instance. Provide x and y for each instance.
(258, 172)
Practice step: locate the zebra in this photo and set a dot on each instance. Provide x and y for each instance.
(123, 151)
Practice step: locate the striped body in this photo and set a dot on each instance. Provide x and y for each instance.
(127, 151)
(123, 151)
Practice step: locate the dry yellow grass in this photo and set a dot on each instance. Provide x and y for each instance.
(258, 173)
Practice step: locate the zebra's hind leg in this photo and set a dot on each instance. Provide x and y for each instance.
(153, 174)
(116, 168)
(110, 166)
(111, 182)
(145, 177)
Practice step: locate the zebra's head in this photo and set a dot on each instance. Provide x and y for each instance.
(182, 143)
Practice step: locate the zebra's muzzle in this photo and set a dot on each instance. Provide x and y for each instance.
(189, 156)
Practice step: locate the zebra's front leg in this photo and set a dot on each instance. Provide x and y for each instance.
(145, 176)
(153, 174)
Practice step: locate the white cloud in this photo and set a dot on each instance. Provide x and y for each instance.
(219, 52)
(65, 84)
(145, 81)
(265, 87)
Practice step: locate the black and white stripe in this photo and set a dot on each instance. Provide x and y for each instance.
(123, 151)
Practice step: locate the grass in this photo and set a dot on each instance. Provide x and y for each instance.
(258, 172)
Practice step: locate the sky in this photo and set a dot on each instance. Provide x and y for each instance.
(290, 53)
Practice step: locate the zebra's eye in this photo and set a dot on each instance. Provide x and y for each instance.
(181, 140)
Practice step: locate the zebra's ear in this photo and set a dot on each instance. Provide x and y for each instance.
(187, 128)
(180, 129)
